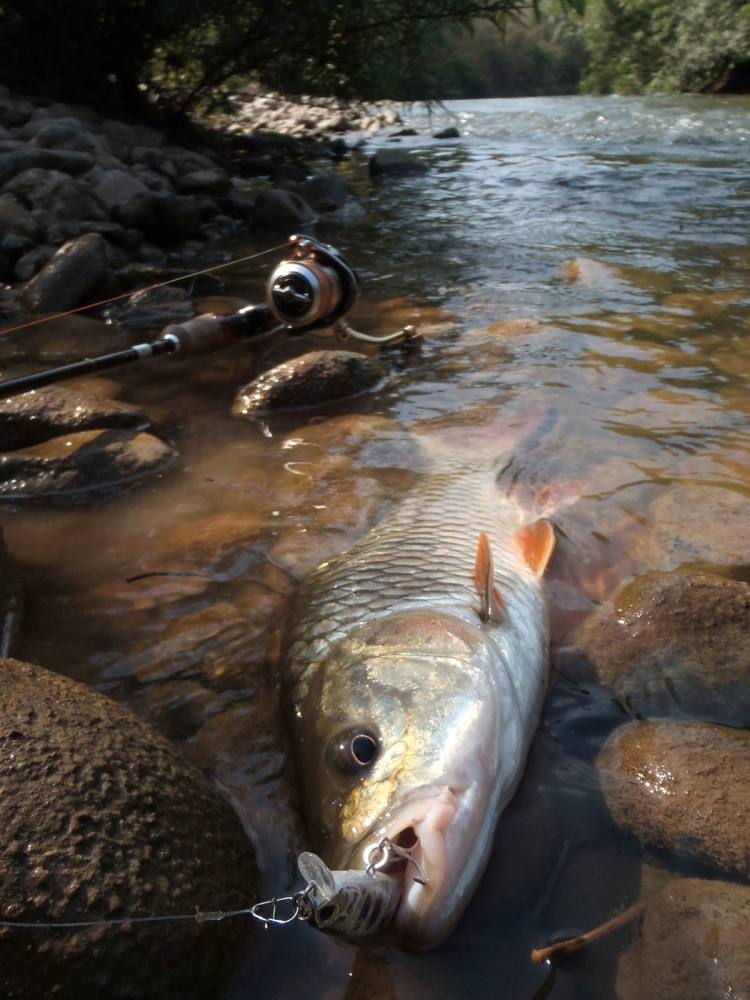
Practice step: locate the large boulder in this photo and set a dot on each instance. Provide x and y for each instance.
(161, 217)
(104, 820)
(73, 272)
(683, 787)
(309, 380)
(15, 218)
(61, 133)
(325, 192)
(702, 523)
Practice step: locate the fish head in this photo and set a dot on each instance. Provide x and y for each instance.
(402, 737)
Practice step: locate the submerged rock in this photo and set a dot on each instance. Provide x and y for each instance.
(448, 133)
(103, 819)
(395, 161)
(86, 462)
(72, 272)
(683, 787)
(702, 523)
(674, 641)
(36, 416)
(309, 380)
(692, 942)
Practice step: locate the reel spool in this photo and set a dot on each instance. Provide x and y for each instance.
(312, 288)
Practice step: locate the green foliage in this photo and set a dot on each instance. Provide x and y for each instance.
(109, 51)
(541, 56)
(659, 46)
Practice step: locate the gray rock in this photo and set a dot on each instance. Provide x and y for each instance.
(403, 132)
(692, 942)
(14, 112)
(115, 187)
(61, 232)
(14, 161)
(309, 380)
(15, 246)
(277, 209)
(395, 161)
(188, 161)
(61, 133)
(325, 192)
(37, 416)
(701, 523)
(15, 218)
(74, 270)
(448, 133)
(153, 179)
(56, 194)
(68, 161)
(155, 159)
(30, 263)
(122, 826)
(683, 787)
(97, 461)
(161, 218)
(210, 180)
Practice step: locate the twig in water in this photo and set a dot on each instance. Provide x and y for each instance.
(569, 945)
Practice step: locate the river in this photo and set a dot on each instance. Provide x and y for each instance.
(589, 256)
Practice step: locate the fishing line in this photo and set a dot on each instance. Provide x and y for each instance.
(213, 916)
(146, 288)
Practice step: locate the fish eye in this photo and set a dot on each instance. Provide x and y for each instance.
(355, 750)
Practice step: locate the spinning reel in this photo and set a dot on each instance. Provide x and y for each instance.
(310, 289)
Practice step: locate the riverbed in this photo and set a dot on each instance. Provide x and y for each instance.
(586, 256)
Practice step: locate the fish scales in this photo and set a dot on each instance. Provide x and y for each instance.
(422, 554)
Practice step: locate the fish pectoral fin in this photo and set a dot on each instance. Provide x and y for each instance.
(492, 608)
(536, 543)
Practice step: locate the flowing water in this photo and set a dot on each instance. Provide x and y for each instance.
(588, 256)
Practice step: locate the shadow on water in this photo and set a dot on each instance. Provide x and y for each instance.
(585, 256)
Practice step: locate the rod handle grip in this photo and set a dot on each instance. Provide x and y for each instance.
(199, 335)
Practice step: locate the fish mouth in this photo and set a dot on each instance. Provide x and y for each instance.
(437, 827)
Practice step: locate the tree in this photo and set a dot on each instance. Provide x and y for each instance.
(659, 46)
(108, 52)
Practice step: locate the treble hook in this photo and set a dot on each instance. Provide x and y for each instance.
(387, 848)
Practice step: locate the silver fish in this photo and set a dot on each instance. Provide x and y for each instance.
(415, 671)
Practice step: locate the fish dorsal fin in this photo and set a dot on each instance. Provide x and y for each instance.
(536, 543)
(492, 604)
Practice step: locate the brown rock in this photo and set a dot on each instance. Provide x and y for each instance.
(693, 941)
(36, 416)
(86, 462)
(674, 639)
(684, 787)
(103, 819)
(702, 523)
(309, 380)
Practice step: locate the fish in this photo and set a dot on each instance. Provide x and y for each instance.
(415, 670)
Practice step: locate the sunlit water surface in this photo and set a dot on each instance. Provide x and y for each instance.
(170, 597)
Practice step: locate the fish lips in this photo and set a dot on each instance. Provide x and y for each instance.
(449, 836)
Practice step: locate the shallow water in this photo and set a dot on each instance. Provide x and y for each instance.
(170, 597)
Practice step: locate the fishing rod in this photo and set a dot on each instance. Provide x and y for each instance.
(311, 288)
